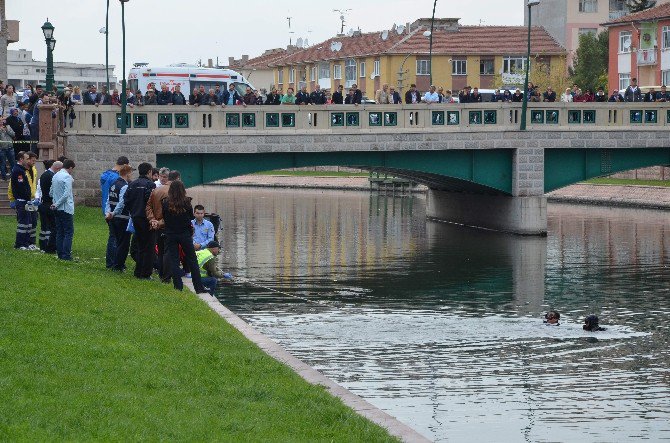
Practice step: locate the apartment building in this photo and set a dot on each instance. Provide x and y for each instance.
(565, 20)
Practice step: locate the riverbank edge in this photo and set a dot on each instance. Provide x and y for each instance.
(564, 195)
(362, 407)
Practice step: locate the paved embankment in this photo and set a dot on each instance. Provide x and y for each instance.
(653, 197)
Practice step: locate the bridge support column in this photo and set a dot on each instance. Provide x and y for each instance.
(524, 212)
(519, 215)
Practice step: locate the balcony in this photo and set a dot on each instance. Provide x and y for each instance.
(646, 57)
(618, 14)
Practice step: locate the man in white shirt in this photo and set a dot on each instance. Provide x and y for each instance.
(431, 96)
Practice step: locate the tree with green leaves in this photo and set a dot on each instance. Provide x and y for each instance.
(591, 61)
(639, 5)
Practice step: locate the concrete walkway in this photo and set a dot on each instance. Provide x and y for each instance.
(652, 197)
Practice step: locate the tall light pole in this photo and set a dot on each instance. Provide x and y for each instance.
(124, 99)
(524, 107)
(107, 45)
(430, 47)
(48, 31)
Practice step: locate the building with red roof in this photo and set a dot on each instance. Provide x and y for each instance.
(639, 47)
(462, 55)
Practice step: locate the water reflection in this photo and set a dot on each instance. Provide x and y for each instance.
(439, 325)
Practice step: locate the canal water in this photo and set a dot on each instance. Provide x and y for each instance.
(441, 325)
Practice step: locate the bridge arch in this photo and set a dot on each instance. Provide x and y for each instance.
(473, 171)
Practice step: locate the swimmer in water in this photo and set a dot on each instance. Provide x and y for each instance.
(591, 324)
(551, 318)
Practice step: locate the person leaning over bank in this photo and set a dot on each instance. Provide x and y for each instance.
(288, 98)
(209, 272)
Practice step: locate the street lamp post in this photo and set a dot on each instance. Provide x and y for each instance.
(48, 31)
(524, 107)
(124, 99)
(107, 45)
(430, 45)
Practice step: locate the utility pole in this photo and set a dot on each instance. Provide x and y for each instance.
(290, 38)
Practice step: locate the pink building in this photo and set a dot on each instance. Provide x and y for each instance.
(639, 47)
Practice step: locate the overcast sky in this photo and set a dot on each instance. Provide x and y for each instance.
(162, 32)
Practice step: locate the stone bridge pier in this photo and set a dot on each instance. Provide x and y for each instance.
(524, 212)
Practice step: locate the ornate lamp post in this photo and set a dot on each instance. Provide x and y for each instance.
(124, 99)
(524, 108)
(48, 31)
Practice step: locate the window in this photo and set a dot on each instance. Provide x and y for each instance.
(324, 70)
(625, 41)
(349, 72)
(362, 69)
(376, 68)
(624, 81)
(514, 65)
(665, 40)
(280, 77)
(665, 77)
(337, 72)
(588, 5)
(291, 76)
(459, 67)
(592, 31)
(486, 67)
(423, 67)
(312, 74)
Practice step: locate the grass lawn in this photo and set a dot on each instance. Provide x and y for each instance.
(627, 182)
(90, 355)
(314, 173)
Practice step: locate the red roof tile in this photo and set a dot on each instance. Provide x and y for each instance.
(262, 61)
(468, 40)
(355, 46)
(658, 12)
(479, 40)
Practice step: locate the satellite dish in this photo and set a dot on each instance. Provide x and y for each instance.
(103, 30)
(372, 76)
(335, 46)
(626, 44)
(385, 35)
(306, 44)
(400, 29)
(426, 33)
(351, 32)
(298, 42)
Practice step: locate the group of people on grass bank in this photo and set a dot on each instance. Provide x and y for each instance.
(152, 219)
(591, 322)
(49, 195)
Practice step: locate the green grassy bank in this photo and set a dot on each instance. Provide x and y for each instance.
(90, 355)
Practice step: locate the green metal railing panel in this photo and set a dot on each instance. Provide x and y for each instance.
(164, 120)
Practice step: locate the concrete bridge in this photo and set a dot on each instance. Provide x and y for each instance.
(481, 170)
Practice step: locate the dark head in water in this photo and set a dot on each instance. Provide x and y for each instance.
(591, 324)
(552, 318)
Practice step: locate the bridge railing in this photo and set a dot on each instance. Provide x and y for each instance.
(372, 118)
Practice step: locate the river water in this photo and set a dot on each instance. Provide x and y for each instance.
(441, 326)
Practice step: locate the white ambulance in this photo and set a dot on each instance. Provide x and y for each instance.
(187, 77)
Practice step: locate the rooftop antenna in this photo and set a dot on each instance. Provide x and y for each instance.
(342, 12)
(290, 39)
(481, 21)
